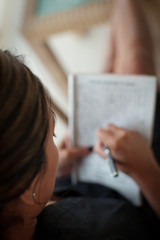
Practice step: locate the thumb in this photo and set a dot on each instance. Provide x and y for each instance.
(98, 148)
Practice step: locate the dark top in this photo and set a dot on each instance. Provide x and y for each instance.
(91, 211)
(96, 217)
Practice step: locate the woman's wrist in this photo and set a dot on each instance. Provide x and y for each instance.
(149, 183)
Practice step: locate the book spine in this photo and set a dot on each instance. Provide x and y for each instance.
(72, 121)
(155, 87)
(71, 94)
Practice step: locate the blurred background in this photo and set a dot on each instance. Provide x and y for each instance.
(60, 37)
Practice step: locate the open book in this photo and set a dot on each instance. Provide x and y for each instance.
(127, 101)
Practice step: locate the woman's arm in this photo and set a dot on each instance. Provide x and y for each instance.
(134, 157)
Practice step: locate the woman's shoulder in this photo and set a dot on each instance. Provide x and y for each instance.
(92, 218)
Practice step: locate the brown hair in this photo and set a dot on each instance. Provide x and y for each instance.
(23, 127)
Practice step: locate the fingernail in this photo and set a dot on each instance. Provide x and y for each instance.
(90, 149)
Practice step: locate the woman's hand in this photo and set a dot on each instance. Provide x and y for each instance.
(133, 156)
(129, 149)
(67, 156)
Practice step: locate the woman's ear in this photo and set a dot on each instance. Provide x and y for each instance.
(27, 196)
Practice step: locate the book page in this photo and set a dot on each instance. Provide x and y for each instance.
(126, 101)
(94, 169)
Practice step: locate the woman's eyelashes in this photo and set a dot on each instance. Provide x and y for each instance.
(54, 135)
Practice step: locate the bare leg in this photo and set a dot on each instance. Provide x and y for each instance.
(130, 40)
(110, 56)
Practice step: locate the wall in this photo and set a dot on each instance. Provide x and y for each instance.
(11, 38)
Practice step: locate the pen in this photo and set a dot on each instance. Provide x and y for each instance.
(110, 160)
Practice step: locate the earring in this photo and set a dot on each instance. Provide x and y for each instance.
(36, 201)
(33, 195)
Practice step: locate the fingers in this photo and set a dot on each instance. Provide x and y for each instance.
(107, 135)
(68, 155)
(75, 152)
(66, 158)
(114, 129)
(111, 136)
(98, 148)
(65, 142)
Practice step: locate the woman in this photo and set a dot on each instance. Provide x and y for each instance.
(28, 164)
(28, 155)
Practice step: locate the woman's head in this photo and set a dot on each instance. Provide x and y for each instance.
(24, 125)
